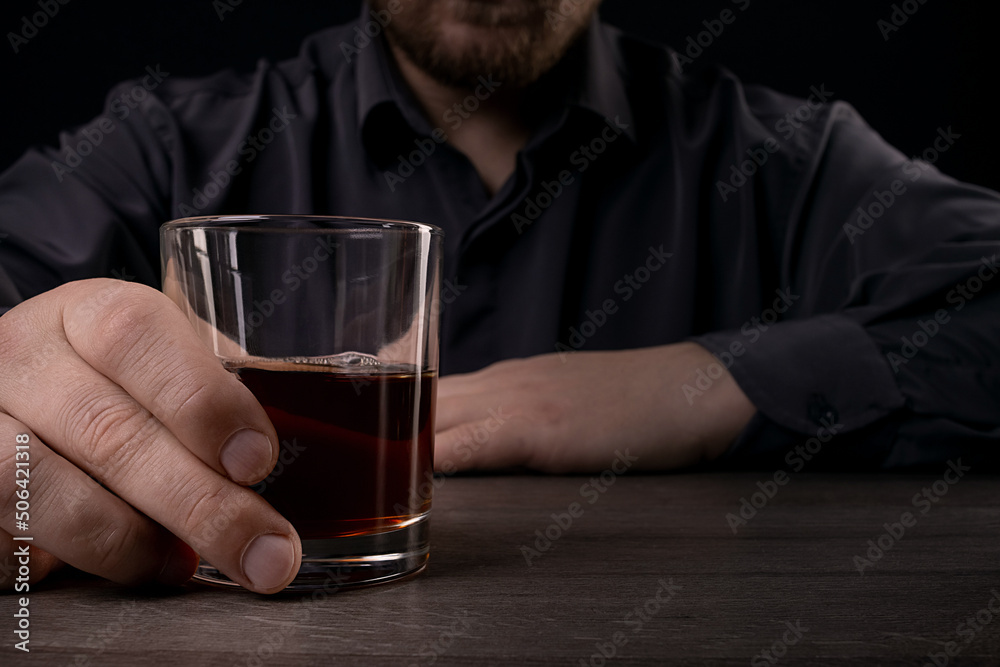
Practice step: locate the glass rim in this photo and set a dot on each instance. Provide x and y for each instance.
(223, 222)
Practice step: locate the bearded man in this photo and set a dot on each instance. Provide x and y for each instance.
(681, 268)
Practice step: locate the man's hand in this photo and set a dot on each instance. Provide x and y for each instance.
(569, 413)
(110, 383)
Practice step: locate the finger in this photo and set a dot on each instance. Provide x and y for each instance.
(454, 409)
(481, 445)
(104, 431)
(141, 341)
(16, 569)
(457, 385)
(71, 518)
(107, 434)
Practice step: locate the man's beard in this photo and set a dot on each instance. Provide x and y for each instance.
(517, 40)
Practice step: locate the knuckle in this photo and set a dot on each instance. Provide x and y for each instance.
(115, 321)
(112, 544)
(206, 515)
(15, 331)
(105, 427)
(188, 396)
(96, 294)
(196, 509)
(124, 330)
(26, 347)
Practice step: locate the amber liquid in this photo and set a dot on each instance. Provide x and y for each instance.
(357, 447)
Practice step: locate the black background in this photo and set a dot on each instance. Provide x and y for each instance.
(936, 71)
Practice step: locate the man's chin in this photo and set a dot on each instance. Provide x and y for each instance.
(458, 41)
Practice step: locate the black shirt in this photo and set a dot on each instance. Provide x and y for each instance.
(842, 283)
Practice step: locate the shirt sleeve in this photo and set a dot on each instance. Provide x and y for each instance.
(887, 352)
(91, 207)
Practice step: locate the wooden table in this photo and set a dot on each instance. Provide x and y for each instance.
(649, 572)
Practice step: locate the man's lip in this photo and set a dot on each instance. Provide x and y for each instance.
(526, 13)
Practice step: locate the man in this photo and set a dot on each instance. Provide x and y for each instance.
(592, 199)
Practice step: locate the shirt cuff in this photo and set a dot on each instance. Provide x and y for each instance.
(810, 373)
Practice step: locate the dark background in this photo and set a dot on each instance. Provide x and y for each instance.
(938, 70)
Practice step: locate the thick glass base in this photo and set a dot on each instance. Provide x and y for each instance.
(351, 562)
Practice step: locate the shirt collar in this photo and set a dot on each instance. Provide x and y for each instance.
(595, 82)
(587, 79)
(380, 84)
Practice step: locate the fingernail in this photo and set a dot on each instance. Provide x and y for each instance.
(268, 561)
(246, 455)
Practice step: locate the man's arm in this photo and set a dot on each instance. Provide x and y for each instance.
(896, 335)
(108, 381)
(889, 350)
(90, 208)
(579, 412)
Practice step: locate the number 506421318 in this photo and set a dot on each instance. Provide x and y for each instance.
(22, 474)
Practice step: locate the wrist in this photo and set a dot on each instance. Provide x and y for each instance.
(721, 408)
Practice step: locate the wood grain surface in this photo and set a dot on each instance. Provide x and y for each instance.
(649, 572)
